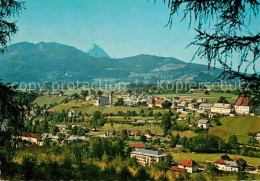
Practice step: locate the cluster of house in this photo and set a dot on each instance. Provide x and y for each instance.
(182, 104)
(149, 157)
(38, 139)
(225, 163)
(147, 133)
(131, 99)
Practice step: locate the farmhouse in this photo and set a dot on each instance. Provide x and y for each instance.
(205, 106)
(242, 105)
(147, 157)
(135, 133)
(32, 138)
(189, 165)
(221, 108)
(225, 163)
(203, 124)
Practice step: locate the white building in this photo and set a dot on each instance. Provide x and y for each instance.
(221, 108)
(32, 138)
(203, 124)
(189, 165)
(225, 163)
(147, 157)
(205, 106)
(242, 105)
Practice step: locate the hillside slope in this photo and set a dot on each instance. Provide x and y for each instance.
(239, 126)
(56, 62)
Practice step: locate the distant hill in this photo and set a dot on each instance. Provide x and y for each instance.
(56, 62)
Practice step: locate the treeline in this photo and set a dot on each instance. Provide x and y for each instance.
(98, 159)
(208, 143)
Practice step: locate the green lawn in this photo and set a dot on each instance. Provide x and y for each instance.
(238, 125)
(119, 127)
(45, 99)
(234, 177)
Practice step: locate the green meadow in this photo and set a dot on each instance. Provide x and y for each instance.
(239, 126)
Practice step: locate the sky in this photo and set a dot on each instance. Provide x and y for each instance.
(121, 27)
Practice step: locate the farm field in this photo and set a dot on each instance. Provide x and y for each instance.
(239, 125)
(45, 99)
(202, 158)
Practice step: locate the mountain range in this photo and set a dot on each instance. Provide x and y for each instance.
(28, 62)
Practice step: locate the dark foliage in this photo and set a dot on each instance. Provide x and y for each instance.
(224, 36)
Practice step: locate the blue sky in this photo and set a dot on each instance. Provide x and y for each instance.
(122, 27)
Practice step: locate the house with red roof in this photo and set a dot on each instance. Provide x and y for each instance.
(51, 111)
(157, 103)
(32, 137)
(189, 165)
(177, 169)
(242, 105)
(147, 133)
(225, 163)
(136, 145)
(135, 133)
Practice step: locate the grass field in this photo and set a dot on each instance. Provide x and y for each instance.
(119, 127)
(212, 97)
(187, 133)
(45, 99)
(239, 125)
(87, 107)
(202, 158)
(234, 177)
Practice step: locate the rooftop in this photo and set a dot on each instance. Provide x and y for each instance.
(221, 105)
(206, 105)
(177, 169)
(188, 162)
(136, 145)
(203, 121)
(148, 153)
(243, 101)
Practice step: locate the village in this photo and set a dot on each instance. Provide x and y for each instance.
(193, 115)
